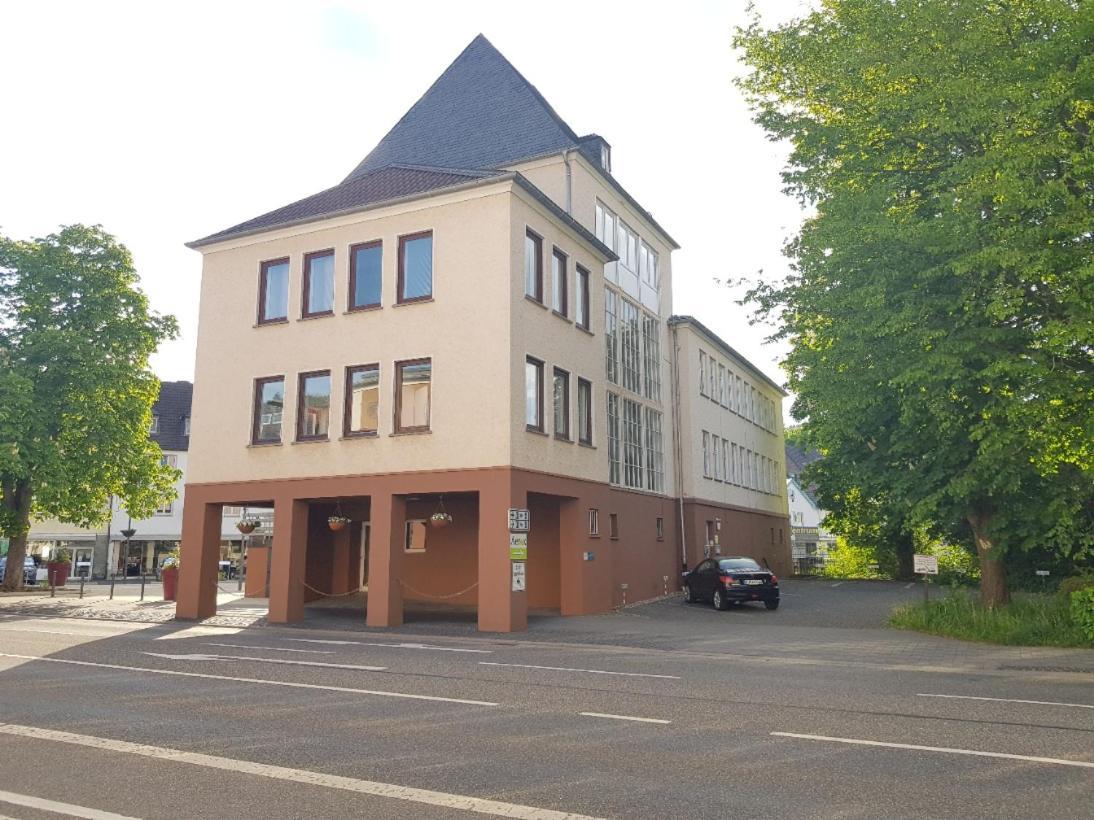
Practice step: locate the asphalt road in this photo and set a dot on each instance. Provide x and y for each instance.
(719, 714)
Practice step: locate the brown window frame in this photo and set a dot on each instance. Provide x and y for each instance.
(256, 407)
(564, 264)
(263, 269)
(588, 412)
(305, 308)
(538, 241)
(565, 435)
(582, 293)
(540, 365)
(347, 400)
(352, 306)
(613, 526)
(397, 423)
(300, 379)
(401, 280)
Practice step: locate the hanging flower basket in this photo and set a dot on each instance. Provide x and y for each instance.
(337, 522)
(247, 526)
(440, 519)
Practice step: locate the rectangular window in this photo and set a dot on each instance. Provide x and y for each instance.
(702, 373)
(706, 455)
(655, 459)
(716, 455)
(733, 476)
(166, 509)
(318, 284)
(723, 399)
(651, 359)
(660, 528)
(313, 406)
(365, 275)
(416, 267)
(361, 415)
(727, 466)
(614, 472)
(594, 522)
(269, 407)
(533, 266)
(632, 444)
(605, 225)
(742, 480)
(559, 283)
(581, 295)
(626, 246)
(584, 411)
(561, 394)
(630, 346)
(154, 425)
(647, 262)
(413, 380)
(533, 394)
(186, 425)
(613, 526)
(415, 536)
(273, 291)
(739, 403)
(611, 334)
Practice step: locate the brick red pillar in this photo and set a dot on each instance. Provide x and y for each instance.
(200, 554)
(339, 564)
(500, 609)
(287, 561)
(258, 569)
(385, 593)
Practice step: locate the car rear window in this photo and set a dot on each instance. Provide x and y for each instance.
(739, 564)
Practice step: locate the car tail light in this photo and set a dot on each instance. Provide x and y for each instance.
(728, 580)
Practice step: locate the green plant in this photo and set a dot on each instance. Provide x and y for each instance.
(1082, 611)
(847, 560)
(1076, 583)
(171, 561)
(956, 565)
(61, 556)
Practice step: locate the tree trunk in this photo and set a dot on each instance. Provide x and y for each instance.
(993, 575)
(905, 552)
(17, 502)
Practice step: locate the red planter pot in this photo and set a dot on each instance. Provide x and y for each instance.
(58, 572)
(170, 576)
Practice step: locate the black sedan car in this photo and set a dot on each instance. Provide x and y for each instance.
(731, 580)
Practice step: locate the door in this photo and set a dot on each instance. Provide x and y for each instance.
(707, 578)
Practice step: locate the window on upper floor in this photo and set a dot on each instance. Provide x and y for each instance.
(416, 267)
(533, 394)
(722, 388)
(727, 465)
(648, 266)
(734, 473)
(559, 283)
(413, 392)
(365, 275)
(154, 425)
(533, 265)
(605, 225)
(318, 298)
(611, 334)
(361, 415)
(655, 457)
(716, 457)
(269, 409)
(632, 444)
(627, 246)
(702, 373)
(581, 298)
(313, 406)
(560, 384)
(186, 425)
(614, 464)
(630, 346)
(651, 358)
(584, 411)
(706, 455)
(273, 291)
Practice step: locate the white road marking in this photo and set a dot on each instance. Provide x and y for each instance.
(837, 584)
(197, 656)
(1010, 700)
(909, 586)
(59, 808)
(62, 632)
(396, 645)
(590, 671)
(289, 684)
(201, 632)
(942, 749)
(391, 791)
(271, 648)
(624, 717)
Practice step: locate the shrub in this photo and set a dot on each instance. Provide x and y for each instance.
(1076, 583)
(846, 560)
(1082, 611)
(956, 565)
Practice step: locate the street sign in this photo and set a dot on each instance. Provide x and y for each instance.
(518, 577)
(518, 546)
(1041, 572)
(519, 520)
(925, 564)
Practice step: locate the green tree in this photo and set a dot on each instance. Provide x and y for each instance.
(940, 309)
(75, 389)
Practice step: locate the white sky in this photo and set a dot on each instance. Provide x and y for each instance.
(167, 122)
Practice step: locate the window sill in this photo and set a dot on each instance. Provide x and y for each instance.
(312, 440)
(584, 329)
(595, 535)
(536, 431)
(362, 309)
(304, 317)
(406, 302)
(535, 301)
(269, 322)
(422, 432)
(265, 444)
(587, 445)
(562, 316)
(362, 434)
(565, 439)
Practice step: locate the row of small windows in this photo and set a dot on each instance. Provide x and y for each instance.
(560, 401)
(361, 402)
(634, 254)
(735, 464)
(560, 280)
(635, 449)
(633, 346)
(736, 394)
(415, 279)
(154, 427)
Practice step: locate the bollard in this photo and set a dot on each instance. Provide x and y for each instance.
(142, 585)
(52, 588)
(113, 577)
(82, 579)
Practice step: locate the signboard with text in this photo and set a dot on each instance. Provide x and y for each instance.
(519, 520)
(518, 546)
(925, 564)
(518, 578)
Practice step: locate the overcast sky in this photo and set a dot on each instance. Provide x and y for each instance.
(167, 122)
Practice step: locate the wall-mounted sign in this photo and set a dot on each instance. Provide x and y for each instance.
(518, 577)
(518, 546)
(925, 564)
(520, 520)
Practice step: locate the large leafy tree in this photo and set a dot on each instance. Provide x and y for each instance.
(75, 389)
(940, 309)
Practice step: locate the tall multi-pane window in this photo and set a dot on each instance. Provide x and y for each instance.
(614, 473)
(632, 444)
(581, 298)
(560, 385)
(584, 411)
(647, 263)
(735, 475)
(559, 281)
(413, 389)
(722, 398)
(627, 246)
(269, 409)
(365, 275)
(716, 455)
(706, 455)
(738, 396)
(630, 346)
(651, 358)
(361, 414)
(318, 284)
(533, 394)
(605, 225)
(533, 266)
(416, 267)
(655, 458)
(313, 406)
(273, 291)
(611, 334)
(727, 467)
(742, 479)
(702, 373)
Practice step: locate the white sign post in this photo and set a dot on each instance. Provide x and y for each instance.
(518, 577)
(925, 565)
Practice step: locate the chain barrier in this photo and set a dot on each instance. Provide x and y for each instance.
(329, 594)
(418, 592)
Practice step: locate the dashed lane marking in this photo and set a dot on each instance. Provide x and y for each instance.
(31, 802)
(396, 645)
(1009, 700)
(624, 717)
(589, 671)
(272, 648)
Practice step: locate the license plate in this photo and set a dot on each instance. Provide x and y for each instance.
(752, 582)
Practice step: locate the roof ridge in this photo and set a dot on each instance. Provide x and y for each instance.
(469, 172)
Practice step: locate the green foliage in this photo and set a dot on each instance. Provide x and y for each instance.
(1029, 620)
(1076, 583)
(940, 312)
(62, 556)
(846, 560)
(956, 564)
(1082, 611)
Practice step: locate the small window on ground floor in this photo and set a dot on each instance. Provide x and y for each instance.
(415, 536)
(660, 528)
(613, 525)
(594, 522)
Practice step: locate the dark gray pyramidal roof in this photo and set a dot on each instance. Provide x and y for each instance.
(480, 113)
(173, 408)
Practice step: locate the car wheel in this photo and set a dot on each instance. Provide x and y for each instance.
(771, 604)
(718, 600)
(688, 597)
